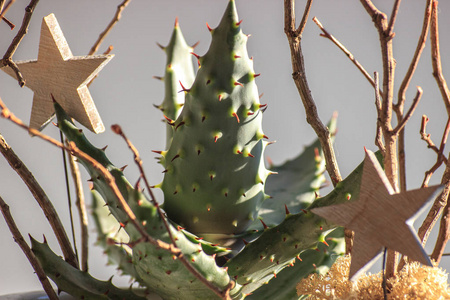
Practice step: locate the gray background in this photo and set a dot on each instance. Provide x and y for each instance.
(125, 93)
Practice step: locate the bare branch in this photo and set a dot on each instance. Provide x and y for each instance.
(329, 36)
(393, 17)
(302, 24)
(436, 209)
(425, 136)
(442, 200)
(118, 130)
(408, 115)
(18, 238)
(3, 12)
(379, 134)
(390, 138)
(7, 58)
(299, 76)
(436, 59)
(42, 199)
(81, 207)
(415, 61)
(444, 233)
(399, 107)
(113, 22)
(110, 181)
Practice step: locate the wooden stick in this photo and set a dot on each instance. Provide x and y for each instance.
(18, 238)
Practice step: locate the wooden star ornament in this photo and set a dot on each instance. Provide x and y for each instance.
(57, 72)
(380, 218)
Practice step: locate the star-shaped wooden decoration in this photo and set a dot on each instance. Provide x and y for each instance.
(57, 72)
(380, 218)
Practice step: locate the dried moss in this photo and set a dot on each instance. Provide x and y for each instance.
(414, 281)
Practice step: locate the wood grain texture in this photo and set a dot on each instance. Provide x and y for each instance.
(57, 72)
(380, 218)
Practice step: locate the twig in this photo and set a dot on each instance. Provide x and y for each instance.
(80, 203)
(436, 59)
(444, 228)
(81, 207)
(427, 138)
(110, 181)
(299, 76)
(440, 154)
(3, 12)
(294, 37)
(113, 22)
(408, 115)
(390, 158)
(399, 107)
(436, 209)
(329, 36)
(4, 9)
(7, 58)
(415, 61)
(444, 233)
(18, 238)
(393, 17)
(302, 25)
(69, 197)
(8, 22)
(118, 130)
(107, 51)
(441, 201)
(379, 134)
(42, 199)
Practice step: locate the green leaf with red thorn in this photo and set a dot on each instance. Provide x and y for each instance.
(112, 238)
(283, 287)
(77, 283)
(178, 74)
(254, 265)
(156, 267)
(296, 185)
(218, 137)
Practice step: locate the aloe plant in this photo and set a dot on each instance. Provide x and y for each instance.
(237, 226)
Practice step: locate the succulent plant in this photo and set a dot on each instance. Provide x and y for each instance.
(216, 192)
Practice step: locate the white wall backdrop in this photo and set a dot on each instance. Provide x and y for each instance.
(125, 93)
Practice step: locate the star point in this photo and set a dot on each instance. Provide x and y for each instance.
(380, 218)
(57, 72)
